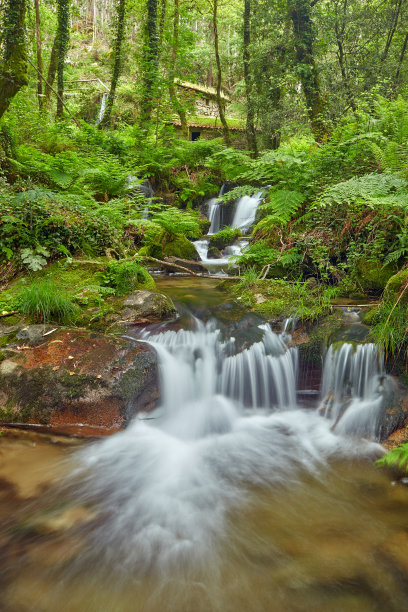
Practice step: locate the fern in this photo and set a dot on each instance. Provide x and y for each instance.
(283, 203)
(389, 157)
(238, 192)
(396, 458)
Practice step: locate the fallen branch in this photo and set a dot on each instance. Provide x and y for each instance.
(8, 314)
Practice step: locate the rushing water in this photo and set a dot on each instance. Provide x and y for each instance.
(228, 496)
(244, 212)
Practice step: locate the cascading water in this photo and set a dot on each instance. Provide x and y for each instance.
(353, 388)
(228, 420)
(214, 215)
(102, 108)
(245, 211)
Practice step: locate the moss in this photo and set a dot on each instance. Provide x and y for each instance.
(373, 276)
(395, 285)
(370, 317)
(224, 238)
(180, 246)
(8, 338)
(319, 337)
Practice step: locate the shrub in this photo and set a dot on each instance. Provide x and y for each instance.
(45, 302)
(126, 276)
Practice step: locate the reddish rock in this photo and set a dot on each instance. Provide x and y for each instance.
(78, 381)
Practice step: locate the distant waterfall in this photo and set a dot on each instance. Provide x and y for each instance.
(102, 108)
(352, 388)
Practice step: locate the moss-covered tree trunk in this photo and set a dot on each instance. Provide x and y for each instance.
(151, 63)
(117, 58)
(62, 48)
(300, 14)
(174, 55)
(52, 71)
(250, 119)
(38, 52)
(227, 136)
(13, 66)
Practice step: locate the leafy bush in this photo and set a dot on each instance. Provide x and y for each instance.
(45, 222)
(45, 302)
(395, 458)
(126, 276)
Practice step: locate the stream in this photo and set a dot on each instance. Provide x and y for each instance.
(231, 495)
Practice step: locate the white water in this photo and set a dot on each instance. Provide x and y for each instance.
(214, 215)
(102, 108)
(228, 420)
(229, 254)
(245, 211)
(353, 388)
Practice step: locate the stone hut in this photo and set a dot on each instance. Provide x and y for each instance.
(203, 116)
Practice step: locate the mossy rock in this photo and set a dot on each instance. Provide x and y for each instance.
(180, 246)
(373, 275)
(395, 285)
(370, 316)
(224, 238)
(214, 253)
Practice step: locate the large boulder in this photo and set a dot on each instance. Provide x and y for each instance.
(147, 305)
(78, 381)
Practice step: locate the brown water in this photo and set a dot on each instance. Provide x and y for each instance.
(334, 543)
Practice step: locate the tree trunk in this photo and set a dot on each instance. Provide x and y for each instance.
(38, 51)
(174, 53)
(151, 67)
(62, 47)
(250, 124)
(299, 11)
(227, 137)
(13, 68)
(117, 61)
(401, 59)
(52, 70)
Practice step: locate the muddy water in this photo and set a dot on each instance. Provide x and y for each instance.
(285, 526)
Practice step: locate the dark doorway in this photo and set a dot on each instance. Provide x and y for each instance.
(195, 135)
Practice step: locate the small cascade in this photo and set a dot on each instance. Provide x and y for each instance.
(245, 211)
(102, 108)
(217, 265)
(214, 215)
(353, 388)
(198, 364)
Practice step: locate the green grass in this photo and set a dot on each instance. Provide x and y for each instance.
(44, 302)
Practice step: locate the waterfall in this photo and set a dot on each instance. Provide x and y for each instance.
(102, 108)
(228, 423)
(245, 211)
(214, 215)
(353, 388)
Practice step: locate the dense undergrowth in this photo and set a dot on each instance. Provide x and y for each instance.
(333, 221)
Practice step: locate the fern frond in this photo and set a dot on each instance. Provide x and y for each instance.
(283, 203)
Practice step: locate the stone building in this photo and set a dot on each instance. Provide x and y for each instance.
(203, 115)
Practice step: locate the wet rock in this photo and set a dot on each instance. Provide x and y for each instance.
(78, 377)
(395, 409)
(214, 253)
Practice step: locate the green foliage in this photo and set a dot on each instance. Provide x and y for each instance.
(45, 302)
(44, 222)
(395, 458)
(175, 221)
(126, 276)
(224, 237)
(283, 204)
